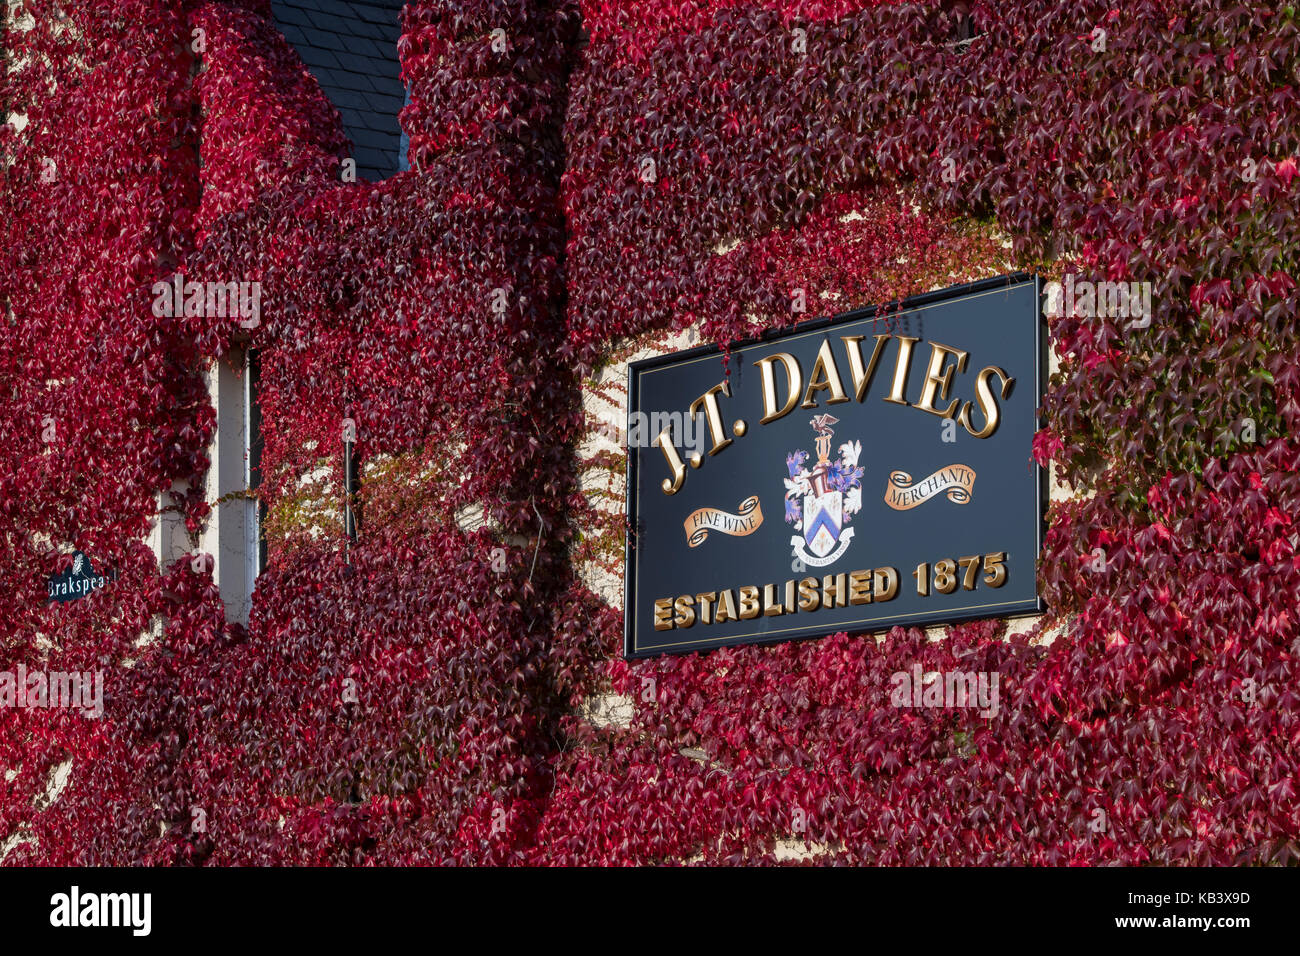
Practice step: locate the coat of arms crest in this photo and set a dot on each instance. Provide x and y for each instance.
(821, 502)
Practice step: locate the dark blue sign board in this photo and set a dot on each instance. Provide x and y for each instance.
(849, 474)
(77, 581)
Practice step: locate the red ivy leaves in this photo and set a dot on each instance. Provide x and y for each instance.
(418, 704)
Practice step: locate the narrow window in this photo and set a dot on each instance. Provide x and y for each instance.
(233, 533)
(257, 543)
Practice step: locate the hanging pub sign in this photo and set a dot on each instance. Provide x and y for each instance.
(849, 474)
(76, 582)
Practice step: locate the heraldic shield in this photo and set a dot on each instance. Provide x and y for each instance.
(820, 503)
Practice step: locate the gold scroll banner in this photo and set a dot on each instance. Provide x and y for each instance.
(745, 522)
(956, 480)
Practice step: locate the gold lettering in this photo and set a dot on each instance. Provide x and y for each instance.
(939, 379)
(706, 606)
(749, 608)
(836, 597)
(809, 599)
(862, 378)
(794, 377)
(712, 414)
(901, 364)
(988, 404)
(665, 443)
(860, 587)
(726, 607)
(771, 605)
(663, 614)
(829, 378)
(685, 611)
(886, 584)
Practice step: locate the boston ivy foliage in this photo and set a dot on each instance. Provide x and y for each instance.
(587, 175)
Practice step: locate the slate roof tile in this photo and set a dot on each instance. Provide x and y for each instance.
(351, 49)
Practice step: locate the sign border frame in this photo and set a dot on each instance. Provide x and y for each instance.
(1007, 281)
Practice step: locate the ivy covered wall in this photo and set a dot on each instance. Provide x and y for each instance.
(590, 180)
